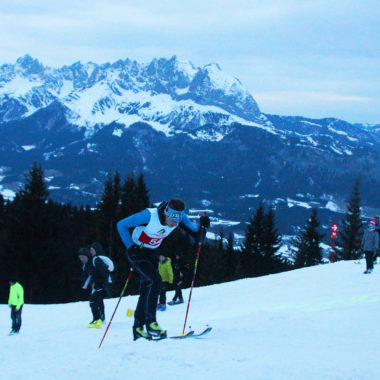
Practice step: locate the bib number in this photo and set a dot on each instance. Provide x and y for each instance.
(147, 240)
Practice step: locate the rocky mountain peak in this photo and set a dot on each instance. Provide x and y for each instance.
(127, 91)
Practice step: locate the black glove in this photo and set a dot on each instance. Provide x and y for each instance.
(134, 252)
(204, 221)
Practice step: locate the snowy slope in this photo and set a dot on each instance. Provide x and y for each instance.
(314, 323)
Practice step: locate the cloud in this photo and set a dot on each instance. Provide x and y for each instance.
(303, 96)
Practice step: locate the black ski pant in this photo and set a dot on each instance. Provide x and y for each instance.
(145, 265)
(16, 318)
(178, 290)
(369, 259)
(178, 283)
(97, 304)
(376, 254)
(164, 287)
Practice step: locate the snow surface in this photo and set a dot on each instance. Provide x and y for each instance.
(313, 323)
(28, 147)
(19, 86)
(7, 193)
(330, 205)
(85, 109)
(292, 203)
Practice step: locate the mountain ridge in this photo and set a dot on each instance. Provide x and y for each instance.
(196, 129)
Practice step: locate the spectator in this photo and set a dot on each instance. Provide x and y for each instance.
(377, 229)
(180, 270)
(15, 302)
(96, 273)
(99, 276)
(166, 272)
(370, 244)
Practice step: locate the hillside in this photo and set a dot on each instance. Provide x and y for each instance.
(314, 323)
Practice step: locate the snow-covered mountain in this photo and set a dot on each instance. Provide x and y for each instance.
(170, 95)
(194, 132)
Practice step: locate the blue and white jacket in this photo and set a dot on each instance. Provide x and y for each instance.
(149, 228)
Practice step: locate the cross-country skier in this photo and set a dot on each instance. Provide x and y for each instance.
(150, 227)
(15, 302)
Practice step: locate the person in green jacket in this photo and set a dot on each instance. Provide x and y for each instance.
(166, 272)
(15, 302)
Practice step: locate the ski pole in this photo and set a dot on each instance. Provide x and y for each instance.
(117, 305)
(202, 237)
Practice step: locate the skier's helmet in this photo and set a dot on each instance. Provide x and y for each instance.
(174, 210)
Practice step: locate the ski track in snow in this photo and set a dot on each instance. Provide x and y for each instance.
(313, 323)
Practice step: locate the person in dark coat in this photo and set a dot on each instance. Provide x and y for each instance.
(180, 271)
(370, 244)
(85, 258)
(377, 229)
(100, 285)
(97, 278)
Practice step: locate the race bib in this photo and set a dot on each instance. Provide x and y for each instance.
(151, 241)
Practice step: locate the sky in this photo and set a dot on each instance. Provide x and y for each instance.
(317, 323)
(297, 57)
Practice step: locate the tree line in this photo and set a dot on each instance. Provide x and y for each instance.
(40, 238)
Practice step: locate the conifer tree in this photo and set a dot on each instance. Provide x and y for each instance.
(271, 240)
(128, 197)
(35, 191)
(222, 266)
(3, 269)
(142, 194)
(307, 250)
(351, 234)
(231, 262)
(29, 225)
(2, 211)
(108, 213)
(252, 245)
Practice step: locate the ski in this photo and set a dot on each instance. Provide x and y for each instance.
(187, 335)
(191, 334)
(203, 333)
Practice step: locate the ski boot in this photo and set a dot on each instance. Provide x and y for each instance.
(97, 324)
(176, 302)
(161, 307)
(138, 332)
(155, 331)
